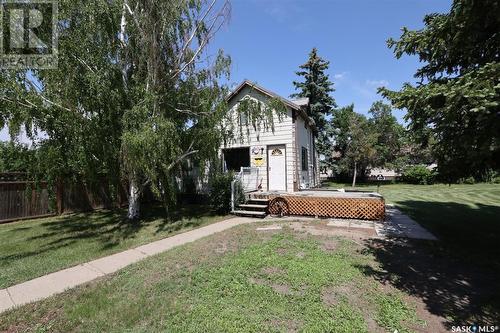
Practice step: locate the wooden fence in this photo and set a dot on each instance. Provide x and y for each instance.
(24, 199)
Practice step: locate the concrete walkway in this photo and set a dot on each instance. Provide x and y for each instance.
(60, 281)
(398, 224)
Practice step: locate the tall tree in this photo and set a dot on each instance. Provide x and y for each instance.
(389, 135)
(360, 146)
(176, 103)
(457, 99)
(339, 124)
(134, 94)
(317, 87)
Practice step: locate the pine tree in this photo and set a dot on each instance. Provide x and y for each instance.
(317, 88)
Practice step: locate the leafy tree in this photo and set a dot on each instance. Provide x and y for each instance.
(416, 148)
(457, 100)
(339, 124)
(354, 142)
(14, 157)
(389, 135)
(132, 97)
(317, 87)
(360, 149)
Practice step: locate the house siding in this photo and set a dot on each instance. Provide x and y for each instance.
(305, 139)
(283, 134)
(290, 130)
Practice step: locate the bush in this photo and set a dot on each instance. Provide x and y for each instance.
(220, 192)
(468, 180)
(491, 176)
(418, 174)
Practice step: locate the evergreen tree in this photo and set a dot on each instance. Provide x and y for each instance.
(317, 88)
(456, 102)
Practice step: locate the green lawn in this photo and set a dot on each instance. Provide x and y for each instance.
(240, 280)
(29, 249)
(466, 218)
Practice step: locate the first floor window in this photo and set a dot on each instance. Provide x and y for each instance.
(305, 162)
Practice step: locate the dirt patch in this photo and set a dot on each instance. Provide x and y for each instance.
(280, 288)
(272, 271)
(43, 322)
(320, 228)
(222, 247)
(288, 325)
(331, 296)
(432, 323)
(281, 251)
(329, 245)
(350, 293)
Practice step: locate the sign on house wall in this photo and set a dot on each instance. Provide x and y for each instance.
(257, 156)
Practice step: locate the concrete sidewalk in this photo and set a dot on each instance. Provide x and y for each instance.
(55, 283)
(398, 224)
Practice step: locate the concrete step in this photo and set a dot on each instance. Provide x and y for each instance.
(249, 213)
(253, 206)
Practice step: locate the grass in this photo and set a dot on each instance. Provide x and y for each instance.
(29, 249)
(464, 217)
(236, 281)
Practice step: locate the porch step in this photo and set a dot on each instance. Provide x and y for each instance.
(259, 200)
(253, 206)
(249, 213)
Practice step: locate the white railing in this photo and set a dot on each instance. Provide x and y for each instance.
(249, 178)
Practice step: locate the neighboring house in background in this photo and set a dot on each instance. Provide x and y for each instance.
(388, 174)
(286, 158)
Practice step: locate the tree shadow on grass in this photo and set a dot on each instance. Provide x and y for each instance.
(470, 232)
(456, 277)
(108, 228)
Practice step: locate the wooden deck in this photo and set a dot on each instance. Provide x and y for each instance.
(321, 203)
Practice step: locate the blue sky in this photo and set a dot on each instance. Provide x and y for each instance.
(268, 39)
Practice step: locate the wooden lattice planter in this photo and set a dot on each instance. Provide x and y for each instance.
(322, 205)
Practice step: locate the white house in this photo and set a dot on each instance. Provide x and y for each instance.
(284, 159)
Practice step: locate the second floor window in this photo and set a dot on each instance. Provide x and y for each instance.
(243, 119)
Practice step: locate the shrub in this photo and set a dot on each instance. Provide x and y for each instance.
(418, 174)
(492, 176)
(220, 192)
(468, 180)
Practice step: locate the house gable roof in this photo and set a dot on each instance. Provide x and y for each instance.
(297, 107)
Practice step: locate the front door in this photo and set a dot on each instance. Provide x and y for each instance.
(276, 168)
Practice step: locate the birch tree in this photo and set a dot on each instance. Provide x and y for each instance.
(135, 95)
(174, 94)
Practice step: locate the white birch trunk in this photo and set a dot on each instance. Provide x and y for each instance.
(133, 201)
(355, 174)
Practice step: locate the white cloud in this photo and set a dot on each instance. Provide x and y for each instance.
(377, 83)
(339, 76)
